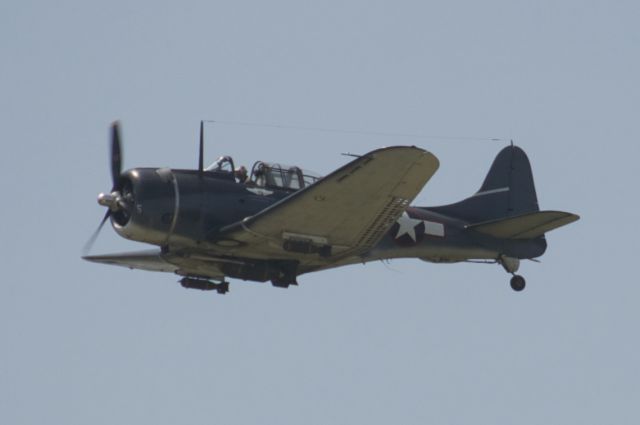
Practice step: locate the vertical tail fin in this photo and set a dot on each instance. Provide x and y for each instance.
(507, 190)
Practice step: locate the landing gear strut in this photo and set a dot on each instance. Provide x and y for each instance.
(511, 265)
(517, 283)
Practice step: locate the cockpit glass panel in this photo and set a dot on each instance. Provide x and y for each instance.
(223, 164)
(309, 178)
(292, 178)
(274, 176)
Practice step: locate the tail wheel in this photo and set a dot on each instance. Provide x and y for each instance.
(517, 283)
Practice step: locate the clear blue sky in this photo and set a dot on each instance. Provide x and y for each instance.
(408, 343)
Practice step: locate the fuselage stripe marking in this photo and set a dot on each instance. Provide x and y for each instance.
(492, 191)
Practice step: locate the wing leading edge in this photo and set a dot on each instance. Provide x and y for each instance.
(183, 262)
(150, 260)
(525, 226)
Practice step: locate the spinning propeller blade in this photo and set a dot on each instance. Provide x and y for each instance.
(116, 169)
(87, 246)
(116, 154)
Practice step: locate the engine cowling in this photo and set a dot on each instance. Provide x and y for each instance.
(151, 204)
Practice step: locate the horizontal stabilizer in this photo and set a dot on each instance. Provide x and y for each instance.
(525, 226)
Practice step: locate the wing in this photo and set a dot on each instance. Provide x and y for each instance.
(183, 263)
(151, 260)
(346, 213)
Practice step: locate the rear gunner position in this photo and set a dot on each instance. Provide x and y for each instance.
(280, 222)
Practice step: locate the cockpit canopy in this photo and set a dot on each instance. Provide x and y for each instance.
(224, 164)
(267, 174)
(277, 176)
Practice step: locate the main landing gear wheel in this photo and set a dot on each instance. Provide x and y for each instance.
(517, 283)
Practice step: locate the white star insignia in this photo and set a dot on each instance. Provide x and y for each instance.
(407, 226)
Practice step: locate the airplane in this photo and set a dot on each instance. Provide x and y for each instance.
(280, 222)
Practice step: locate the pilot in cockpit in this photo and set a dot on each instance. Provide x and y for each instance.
(241, 174)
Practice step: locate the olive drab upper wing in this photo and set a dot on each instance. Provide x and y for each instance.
(345, 213)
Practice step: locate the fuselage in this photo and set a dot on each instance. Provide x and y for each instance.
(178, 209)
(281, 221)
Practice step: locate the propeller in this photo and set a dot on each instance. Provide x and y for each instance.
(116, 154)
(114, 199)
